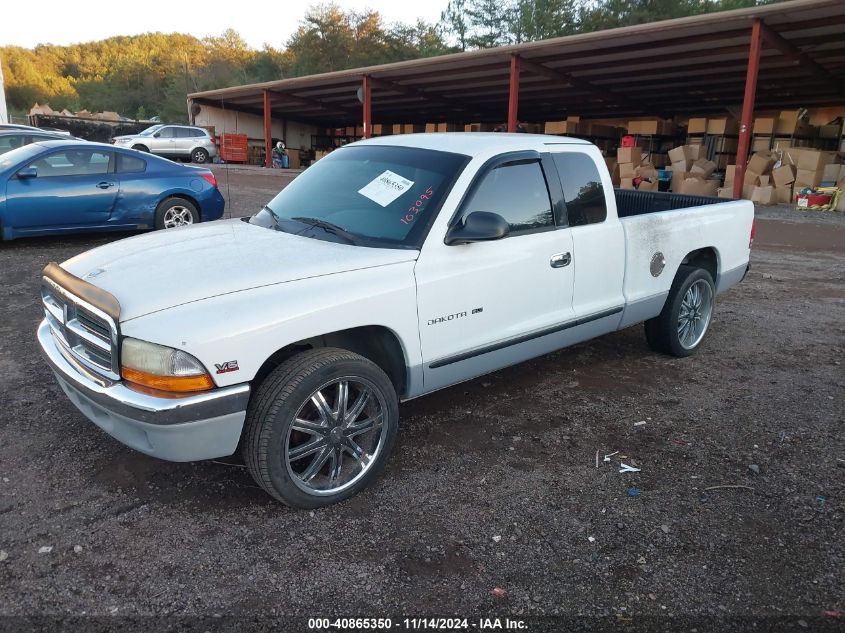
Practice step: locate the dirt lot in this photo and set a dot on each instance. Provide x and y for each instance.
(493, 483)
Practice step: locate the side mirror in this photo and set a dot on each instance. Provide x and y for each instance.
(28, 172)
(157, 134)
(478, 226)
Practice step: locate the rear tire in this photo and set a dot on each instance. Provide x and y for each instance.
(200, 156)
(176, 212)
(320, 427)
(680, 328)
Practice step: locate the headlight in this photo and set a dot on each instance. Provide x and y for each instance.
(164, 368)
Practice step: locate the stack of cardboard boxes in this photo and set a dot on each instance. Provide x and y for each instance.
(633, 169)
(692, 172)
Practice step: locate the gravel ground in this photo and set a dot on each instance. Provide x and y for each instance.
(736, 518)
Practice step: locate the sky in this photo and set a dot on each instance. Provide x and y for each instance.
(261, 22)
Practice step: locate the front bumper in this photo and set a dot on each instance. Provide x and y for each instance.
(182, 429)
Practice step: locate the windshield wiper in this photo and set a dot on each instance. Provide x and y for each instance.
(329, 228)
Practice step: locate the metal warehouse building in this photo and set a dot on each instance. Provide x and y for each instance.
(730, 64)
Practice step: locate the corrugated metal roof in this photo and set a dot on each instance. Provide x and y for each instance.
(682, 66)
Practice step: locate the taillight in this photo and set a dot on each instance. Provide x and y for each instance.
(209, 177)
(751, 241)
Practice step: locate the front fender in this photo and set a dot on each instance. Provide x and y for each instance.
(250, 326)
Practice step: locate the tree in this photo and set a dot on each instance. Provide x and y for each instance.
(453, 21)
(488, 23)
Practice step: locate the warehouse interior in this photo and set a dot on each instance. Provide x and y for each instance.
(747, 92)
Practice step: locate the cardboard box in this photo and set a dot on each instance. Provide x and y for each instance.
(633, 155)
(652, 127)
(703, 167)
(725, 125)
(647, 185)
(694, 152)
(730, 174)
(697, 126)
(763, 195)
(761, 144)
(683, 165)
(678, 154)
(294, 159)
(627, 170)
(807, 178)
(561, 127)
(765, 125)
(747, 191)
(678, 179)
(783, 195)
(811, 159)
(751, 178)
(783, 175)
(761, 163)
(647, 171)
(626, 183)
(832, 174)
(699, 187)
(725, 192)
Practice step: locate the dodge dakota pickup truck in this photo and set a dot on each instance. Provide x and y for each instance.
(389, 269)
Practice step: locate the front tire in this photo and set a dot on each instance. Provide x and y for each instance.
(141, 148)
(320, 427)
(176, 212)
(685, 319)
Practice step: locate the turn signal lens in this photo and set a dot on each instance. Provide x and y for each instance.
(210, 178)
(162, 368)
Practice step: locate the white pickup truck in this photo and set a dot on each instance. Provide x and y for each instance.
(389, 269)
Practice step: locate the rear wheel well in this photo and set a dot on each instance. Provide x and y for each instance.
(374, 342)
(706, 258)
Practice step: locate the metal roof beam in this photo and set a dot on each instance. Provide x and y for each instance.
(600, 91)
(790, 51)
(393, 86)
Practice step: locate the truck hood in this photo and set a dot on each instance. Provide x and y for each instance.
(173, 267)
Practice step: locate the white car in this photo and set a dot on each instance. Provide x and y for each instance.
(172, 141)
(391, 268)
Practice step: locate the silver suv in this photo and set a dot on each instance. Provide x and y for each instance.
(172, 141)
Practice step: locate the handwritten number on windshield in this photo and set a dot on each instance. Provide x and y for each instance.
(418, 206)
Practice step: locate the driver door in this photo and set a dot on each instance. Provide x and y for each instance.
(486, 305)
(72, 187)
(163, 142)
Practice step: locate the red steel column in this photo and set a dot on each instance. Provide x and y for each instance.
(268, 135)
(513, 94)
(368, 108)
(748, 106)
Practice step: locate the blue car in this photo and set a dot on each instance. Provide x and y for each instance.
(53, 187)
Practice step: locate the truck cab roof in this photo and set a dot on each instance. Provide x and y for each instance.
(474, 143)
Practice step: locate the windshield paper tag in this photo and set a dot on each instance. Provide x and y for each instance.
(385, 188)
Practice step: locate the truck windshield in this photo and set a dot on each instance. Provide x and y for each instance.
(379, 196)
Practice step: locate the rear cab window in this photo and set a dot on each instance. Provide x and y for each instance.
(130, 164)
(583, 192)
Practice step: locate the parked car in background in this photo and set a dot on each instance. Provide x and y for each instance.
(29, 128)
(390, 269)
(172, 141)
(12, 139)
(51, 187)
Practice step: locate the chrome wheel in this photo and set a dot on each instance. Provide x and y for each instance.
(200, 156)
(177, 215)
(336, 436)
(694, 316)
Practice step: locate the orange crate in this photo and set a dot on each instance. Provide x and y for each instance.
(233, 148)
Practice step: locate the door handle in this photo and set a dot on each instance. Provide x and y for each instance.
(560, 260)
(105, 185)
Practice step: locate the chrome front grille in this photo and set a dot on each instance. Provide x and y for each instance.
(86, 333)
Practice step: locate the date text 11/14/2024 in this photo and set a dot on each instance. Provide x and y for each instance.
(416, 624)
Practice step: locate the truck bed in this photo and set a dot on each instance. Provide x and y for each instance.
(630, 202)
